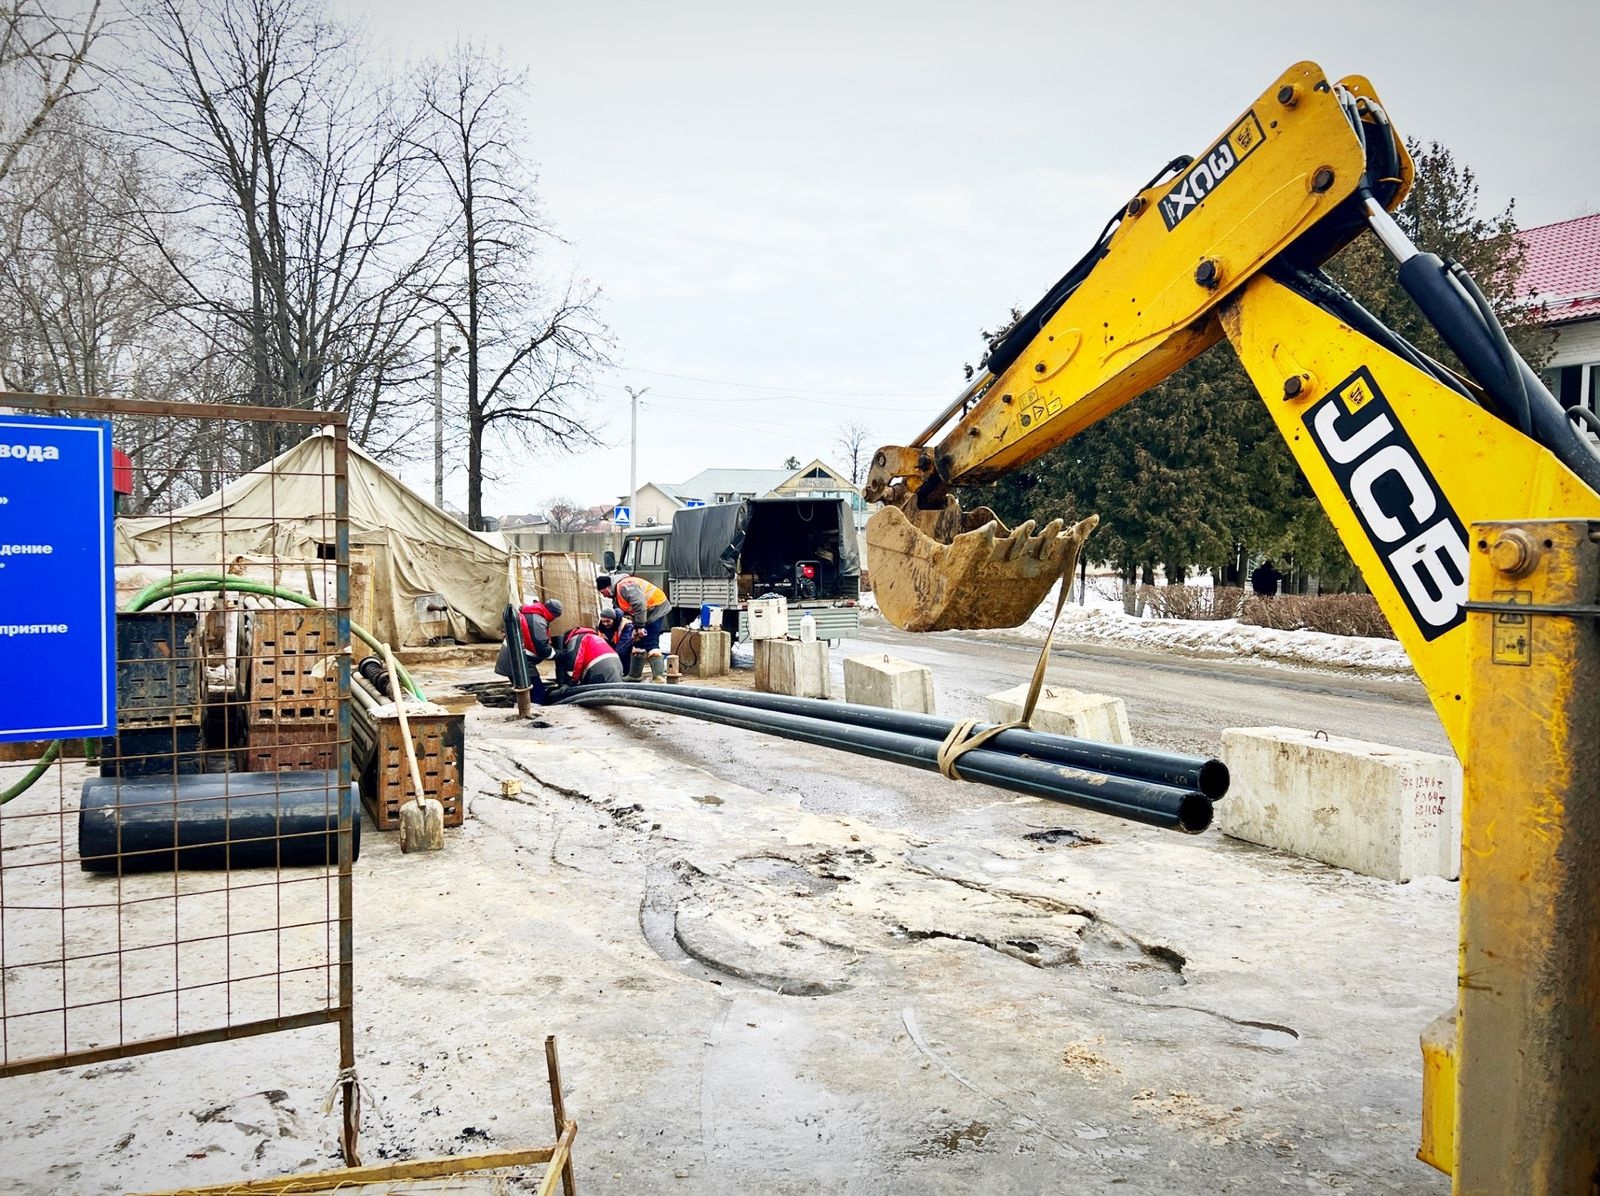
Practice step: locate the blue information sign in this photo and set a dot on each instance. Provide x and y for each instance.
(57, 579)
(622, 516)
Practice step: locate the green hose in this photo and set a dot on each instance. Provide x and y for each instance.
(34, 773)
(199, 583)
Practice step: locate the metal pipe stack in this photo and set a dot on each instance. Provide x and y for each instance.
(1162, 789)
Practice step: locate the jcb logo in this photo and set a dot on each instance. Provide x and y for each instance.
(1419, 539)
(1207, 172)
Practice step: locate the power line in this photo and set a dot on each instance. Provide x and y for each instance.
(787, 397)
(859, 394)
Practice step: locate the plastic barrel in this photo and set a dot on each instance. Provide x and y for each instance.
(215, 821)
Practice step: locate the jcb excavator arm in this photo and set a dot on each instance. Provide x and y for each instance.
(1143, 301)
(1281, 182)
(1471, 505)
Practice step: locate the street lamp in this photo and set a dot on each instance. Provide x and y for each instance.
(439, 358)
(633, 457)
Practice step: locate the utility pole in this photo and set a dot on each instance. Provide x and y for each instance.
(633, 457)
(439, 358)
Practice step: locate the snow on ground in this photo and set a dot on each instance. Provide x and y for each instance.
(1102, 621)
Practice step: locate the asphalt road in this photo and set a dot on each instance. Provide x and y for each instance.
(1173, 702)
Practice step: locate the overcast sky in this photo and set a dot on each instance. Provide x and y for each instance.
(802, 214)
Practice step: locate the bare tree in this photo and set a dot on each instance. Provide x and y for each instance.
(854, 440)
(86, 302)
(307, 232)
(530, 350)
(565, 515)
(42, 58)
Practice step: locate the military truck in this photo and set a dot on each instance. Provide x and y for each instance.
(801, 549)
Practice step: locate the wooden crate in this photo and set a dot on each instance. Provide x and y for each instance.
(292, 747)
(160, 674)
(294, 667)
(380, 758)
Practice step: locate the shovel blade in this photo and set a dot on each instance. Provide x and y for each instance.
(946, 571)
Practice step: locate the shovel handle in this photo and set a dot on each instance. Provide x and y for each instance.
(405, 726)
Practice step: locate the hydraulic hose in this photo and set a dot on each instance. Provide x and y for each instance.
(1122, 797)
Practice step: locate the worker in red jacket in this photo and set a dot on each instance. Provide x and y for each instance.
(585, 658)
(533, 624)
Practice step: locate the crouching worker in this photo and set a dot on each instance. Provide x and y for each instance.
(618, 632)
(532, 633)
(585, 658)
(642, 604)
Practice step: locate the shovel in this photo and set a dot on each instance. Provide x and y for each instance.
(421, 818)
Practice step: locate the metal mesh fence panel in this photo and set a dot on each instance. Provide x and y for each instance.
(188, 879)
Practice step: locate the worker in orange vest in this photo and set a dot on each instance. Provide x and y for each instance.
(643, 604)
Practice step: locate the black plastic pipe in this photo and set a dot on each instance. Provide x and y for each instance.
(1207, 775)
(1122, 797)
(517, 662)
(214, 821)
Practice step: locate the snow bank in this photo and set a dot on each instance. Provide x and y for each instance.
(1102, 621)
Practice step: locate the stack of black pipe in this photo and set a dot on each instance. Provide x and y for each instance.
(1160, 788)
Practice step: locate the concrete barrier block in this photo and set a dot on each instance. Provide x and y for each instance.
(1381, 811)
(1062, 711)
(702, 653)
(881, 680)
(792, 668)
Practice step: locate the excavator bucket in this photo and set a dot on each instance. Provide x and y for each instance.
(943, 570)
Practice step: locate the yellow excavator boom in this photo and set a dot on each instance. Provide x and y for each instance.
(1470, 502)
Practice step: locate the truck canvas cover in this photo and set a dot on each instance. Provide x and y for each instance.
(710, 541)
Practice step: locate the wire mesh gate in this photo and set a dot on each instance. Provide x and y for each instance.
(190, 879)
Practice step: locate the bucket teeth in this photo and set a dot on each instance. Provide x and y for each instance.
(987, 577)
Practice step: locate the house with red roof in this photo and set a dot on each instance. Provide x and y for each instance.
(1561, 282)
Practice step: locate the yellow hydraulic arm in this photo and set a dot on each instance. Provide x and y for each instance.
(1471, 505)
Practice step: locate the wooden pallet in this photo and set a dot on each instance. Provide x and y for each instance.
(294, 667)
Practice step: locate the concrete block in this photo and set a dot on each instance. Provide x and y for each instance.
(1381, 811)
(792, 668)
(1062, 711)
(702, 653)
(881, 680)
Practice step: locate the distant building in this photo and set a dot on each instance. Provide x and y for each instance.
(713, 486)
(1561, 281)
(659, 501)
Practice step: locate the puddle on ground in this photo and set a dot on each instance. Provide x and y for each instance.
(1061, 836)
(952, 1139)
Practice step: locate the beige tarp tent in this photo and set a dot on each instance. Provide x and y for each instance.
(284, 510)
